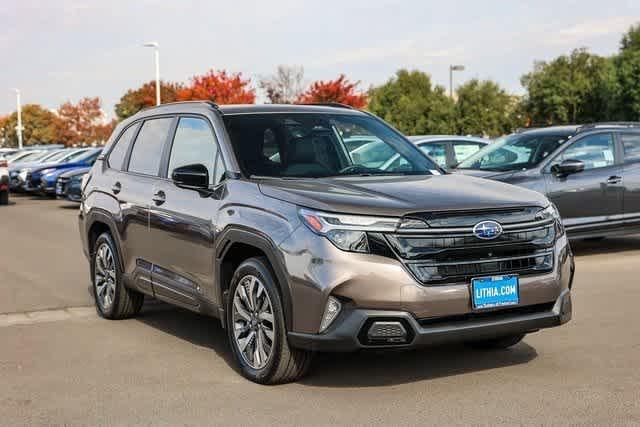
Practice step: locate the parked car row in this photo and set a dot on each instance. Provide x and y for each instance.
(38, 170)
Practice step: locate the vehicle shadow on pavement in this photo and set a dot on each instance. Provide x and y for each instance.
(605, 246)
(381, 368)
(194, 328)
(71, 207)
(362, 369)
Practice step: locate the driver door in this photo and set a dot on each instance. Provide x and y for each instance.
(589, 198)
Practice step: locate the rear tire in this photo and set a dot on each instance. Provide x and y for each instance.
(497, 343)
(113, 300)
(4, 198)
(256, 327)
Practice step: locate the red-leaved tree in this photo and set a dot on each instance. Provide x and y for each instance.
(220, 87)
(82, 123)
(339, 90)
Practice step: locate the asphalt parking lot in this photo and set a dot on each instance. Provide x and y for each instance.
(61, 364)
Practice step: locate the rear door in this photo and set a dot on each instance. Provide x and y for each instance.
(630, 142)
(134, 190)
(590, 198)
(183, 221)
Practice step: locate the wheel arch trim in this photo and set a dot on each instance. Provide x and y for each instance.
(257, 239)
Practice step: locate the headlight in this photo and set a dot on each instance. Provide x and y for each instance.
(347, 232)
(78, 178)
(46, 171)
(551, 212)
(23, 174)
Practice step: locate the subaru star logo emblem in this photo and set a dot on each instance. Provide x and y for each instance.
(487, 230)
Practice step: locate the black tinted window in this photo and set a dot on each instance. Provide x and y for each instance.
(147, 150)
(193, 143)
(631, 143)
(119, 151)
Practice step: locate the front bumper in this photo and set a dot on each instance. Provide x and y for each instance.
(347, 332)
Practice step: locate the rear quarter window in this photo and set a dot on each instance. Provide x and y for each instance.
(121, 147)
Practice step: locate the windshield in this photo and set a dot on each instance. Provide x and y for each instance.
(514, 152)
(313, 145)
(87, 155)
(26, 157)
(52, 156)
(70, 155)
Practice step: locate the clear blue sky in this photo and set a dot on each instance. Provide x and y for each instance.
(61, 50)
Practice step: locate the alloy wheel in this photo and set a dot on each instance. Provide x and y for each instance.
(105, 276)
(253, 323)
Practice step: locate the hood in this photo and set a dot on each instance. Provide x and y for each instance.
(400, 195)
(57, 166)
(80, 170)
(30, 165)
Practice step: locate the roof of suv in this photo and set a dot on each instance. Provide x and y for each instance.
(286, 108)
(553, 130)
(574, 129)
(230, 109)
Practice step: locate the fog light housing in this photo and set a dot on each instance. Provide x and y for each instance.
(331, 311)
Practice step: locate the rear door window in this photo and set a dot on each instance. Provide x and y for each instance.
(146, 155)
(631, 144)
(464, 149)
(437, 151)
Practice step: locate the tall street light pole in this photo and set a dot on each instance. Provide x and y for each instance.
(19, 110)
(453, 68)
(155, 47)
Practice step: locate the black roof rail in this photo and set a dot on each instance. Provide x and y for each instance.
(331, 104)
(597, 125)
(210, 103)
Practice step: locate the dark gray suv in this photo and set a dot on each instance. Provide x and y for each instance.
(590, 172)
(261, 217)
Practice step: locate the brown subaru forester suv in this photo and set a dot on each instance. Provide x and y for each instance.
(269, 218)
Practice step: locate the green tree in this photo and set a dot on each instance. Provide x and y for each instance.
(145, 96)
(627, 65)
(577, 88)
(38, 126)
(631, 40)
(411, 103)
(484, 108)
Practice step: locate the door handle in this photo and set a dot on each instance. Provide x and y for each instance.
(117, 187)
(612, 180)
(159, 197)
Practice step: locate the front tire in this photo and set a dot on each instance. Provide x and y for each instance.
(113, 300)
(256, 327)
(497, 343)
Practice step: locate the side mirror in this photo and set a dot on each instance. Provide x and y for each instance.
(192, 177)
(567, 167)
